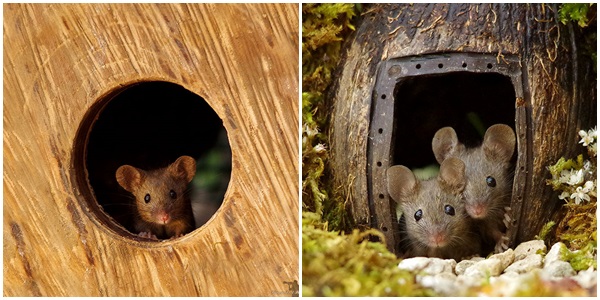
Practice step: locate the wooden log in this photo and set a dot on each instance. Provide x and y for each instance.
(59, 59)
(556, 99)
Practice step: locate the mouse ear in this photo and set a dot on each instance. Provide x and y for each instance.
(401, 183)
(184, 167)
(499, 142)
(452, 175)
(129, 177)
(445, 143)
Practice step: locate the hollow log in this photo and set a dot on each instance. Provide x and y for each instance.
(558, 97)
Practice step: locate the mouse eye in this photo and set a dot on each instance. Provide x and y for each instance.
(491, 182)
(172, 194)
(147, 198)
(449, 210)
(418, 215)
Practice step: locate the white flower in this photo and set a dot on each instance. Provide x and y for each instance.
(564, 176)
(564, 195)
(588, 186)
(580, 195)
(310, 131)
(587, 138)
(571, 177)
(593, 132)
(319, 148)
(576, 177)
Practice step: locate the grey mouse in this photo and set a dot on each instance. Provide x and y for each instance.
(489, 177)
(437, 224)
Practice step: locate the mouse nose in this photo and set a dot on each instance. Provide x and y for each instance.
(438, 239)
(477, 211)
(163, 217)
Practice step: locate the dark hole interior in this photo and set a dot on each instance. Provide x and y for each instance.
(149, 125)
(468, 102)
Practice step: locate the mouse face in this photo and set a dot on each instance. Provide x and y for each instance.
(160, 195)
(488, 168)
(436, 220)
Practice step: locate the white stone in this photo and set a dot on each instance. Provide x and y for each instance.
(587, 278)
(558, 269)
(465, 282)
(555, 253)
(509, 275)
(527, 248)
(428, 265)
(506, 258)
(525, 265)
(485, 268)
(443, 284)
(462, 266)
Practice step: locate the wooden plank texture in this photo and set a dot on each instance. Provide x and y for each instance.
(60, 59)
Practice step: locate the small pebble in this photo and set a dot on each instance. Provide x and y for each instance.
(462, 266)
(555, 253)
(428, 265)
(558, 269)
(528, 248)
(506, 258)
(485, 268)
(526, 264)
(443, 283)
(587, 278)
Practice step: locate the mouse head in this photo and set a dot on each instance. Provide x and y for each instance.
(498, 143)
(488, 167)
(159, 194)
(433, 209)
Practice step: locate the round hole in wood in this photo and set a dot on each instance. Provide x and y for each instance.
(379, 164)
(149, 125)
(383, 96)
(440, 66)
(489, 66)
(418, 66)
(380, 130)
(381, 196)
(464, 64)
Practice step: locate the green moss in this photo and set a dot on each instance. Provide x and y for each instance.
(337, 264)
(584, 14)
(545, 230)
(324, 27)
(577, 12)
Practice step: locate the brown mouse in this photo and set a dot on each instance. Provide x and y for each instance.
(163, 207)
(489, 176)
(437, 224)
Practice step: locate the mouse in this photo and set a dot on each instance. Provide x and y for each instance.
(163, 208)
(489, 175)
(437, 224)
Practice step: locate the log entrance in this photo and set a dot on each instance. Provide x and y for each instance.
(416, 96)
(147, 125)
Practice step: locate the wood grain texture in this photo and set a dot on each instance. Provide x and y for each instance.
(559, 92)
(60, 59)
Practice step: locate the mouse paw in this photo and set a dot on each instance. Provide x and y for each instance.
(147, 235)
(507, 220)
(501, 245)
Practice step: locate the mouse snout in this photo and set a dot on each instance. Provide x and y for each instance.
(437, 239)
(163, 217)
(477, 210)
